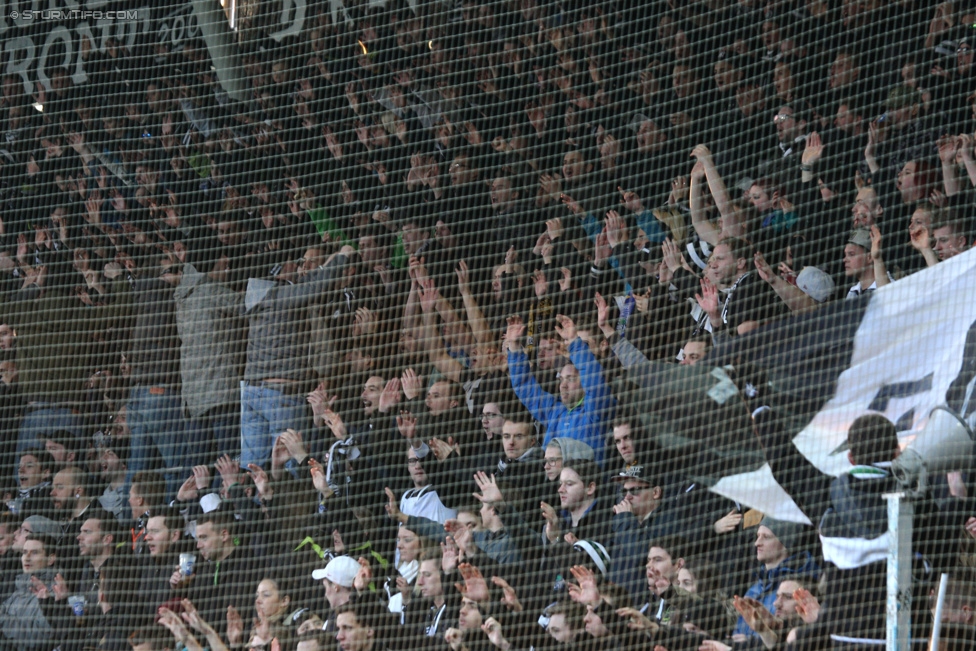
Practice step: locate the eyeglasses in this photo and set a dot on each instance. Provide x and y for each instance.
(413, 462)
(551, 462)
(781, 117)
(488, 415)
(634, 491)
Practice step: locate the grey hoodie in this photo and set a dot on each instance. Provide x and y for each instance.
(211, 352)
(277, 336)
(572, 449)
(21, 619)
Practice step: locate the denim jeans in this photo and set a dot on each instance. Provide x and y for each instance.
(155, 417)
(266, 413)
(212, 435)
(45, 419)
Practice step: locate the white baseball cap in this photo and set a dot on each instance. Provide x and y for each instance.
(341, 570)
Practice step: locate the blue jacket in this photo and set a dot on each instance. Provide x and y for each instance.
(801, 566)
(585, 422)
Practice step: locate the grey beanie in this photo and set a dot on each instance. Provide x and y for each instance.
(47, 526)
(789, 533)
(572, 449)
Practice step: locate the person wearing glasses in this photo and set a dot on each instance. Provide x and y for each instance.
(633, 515)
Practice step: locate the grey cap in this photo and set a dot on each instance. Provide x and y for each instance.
(47, 526)
(860, 237)
(815, 283)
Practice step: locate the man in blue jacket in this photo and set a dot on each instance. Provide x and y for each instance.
(780, 560)
(584, 405)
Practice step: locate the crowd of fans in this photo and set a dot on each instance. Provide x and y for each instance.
(387, 355)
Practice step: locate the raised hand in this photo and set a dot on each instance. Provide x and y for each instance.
(672, 255)
(554, 227)
(474, 587)
(235, 626)
(552, 522)
(601, 249)
(321, 484)
(38, 588)
(188, 491)
(411, 384)
(201, 477)
(454, 638)
(515, 330)
(174, 624)
(966, 146)
(565, 279)
(701, 153)
(630, 200)
(428, 295)
(708, 299)
(756, 615)
(463, 277)
(616, 229)
(813, 150)
(493, 629)
(763, 268)
(876, 250)
(509, 597)
(229, 471)
(335, 424)
(565, 328)
(602, 310)
(638, 621)
(393, 507)
(407, 424)
(443, 449)
(920, 237)
(571, 204)
(807, 606)
(390, 396)
(948, 147)
(539, 283)
(279, 457)
(586, 592)
(292, 440)
(260, 479)
(450, 555)
(490, 493)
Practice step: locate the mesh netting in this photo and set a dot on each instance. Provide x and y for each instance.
(473, 324)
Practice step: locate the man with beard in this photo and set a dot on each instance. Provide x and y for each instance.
(72, 504)
(98, 541)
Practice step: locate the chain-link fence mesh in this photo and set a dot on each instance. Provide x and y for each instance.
(463, 325)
